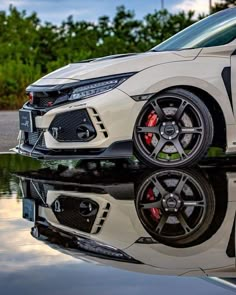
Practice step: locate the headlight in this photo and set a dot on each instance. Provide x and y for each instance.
(95, 88)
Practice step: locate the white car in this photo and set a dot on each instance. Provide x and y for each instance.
(132, 225)
(167, 105)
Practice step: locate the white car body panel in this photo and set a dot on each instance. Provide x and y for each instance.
(181, 71)
(122, 228)
(138, 78)
(106, 67)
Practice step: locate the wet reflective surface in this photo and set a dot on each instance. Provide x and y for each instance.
(115, 227)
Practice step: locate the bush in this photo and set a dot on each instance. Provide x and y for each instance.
(14, 77)
(30, 49)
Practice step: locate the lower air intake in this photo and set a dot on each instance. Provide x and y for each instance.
(34, 136)
(74, 126)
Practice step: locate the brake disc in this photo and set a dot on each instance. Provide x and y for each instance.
(185, 121)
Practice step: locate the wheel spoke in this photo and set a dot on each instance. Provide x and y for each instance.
(180, 110)
(180, 185)
(161, 223)
(183, 223)
(191, 130)
(158, 110)
(161, 143)
(179, 148)
(153, 129)
(159, 186)
(150, 205)
(194, 203)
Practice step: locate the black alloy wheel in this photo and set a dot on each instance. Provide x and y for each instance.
(174, 129)
(176, 207)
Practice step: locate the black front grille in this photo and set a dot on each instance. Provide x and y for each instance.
(72, 212)
(37, 191)
(67, 125)
(32, 138)
(43, 102)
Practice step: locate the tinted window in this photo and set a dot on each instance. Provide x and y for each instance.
(217, 29)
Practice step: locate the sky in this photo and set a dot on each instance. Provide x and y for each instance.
(57, 10)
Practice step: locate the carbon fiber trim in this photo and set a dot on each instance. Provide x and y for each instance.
(67, 127)
(117, 150)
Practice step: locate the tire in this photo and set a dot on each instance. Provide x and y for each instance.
(174, 129)
(182, 185)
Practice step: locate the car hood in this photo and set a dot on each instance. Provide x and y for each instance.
(112, 65)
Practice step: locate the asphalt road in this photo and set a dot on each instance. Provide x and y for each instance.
(8, 130)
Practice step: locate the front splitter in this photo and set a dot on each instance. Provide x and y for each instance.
(119, 149)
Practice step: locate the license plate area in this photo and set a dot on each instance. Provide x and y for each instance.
(26, 120)
(29, 210)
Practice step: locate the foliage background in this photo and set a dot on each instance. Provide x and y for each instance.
(30, 48)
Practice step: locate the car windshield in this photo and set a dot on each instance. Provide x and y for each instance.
(217, 29)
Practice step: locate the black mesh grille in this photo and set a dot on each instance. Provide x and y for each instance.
(33, 137)
(72, 212)
(67, 124)
(47, 99)
(43, 102)
(37, 191)
(33, 192)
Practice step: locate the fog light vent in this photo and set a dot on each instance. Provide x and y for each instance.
(72, 126)
(84, 132)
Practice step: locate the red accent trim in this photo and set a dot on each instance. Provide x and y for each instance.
(31, 97)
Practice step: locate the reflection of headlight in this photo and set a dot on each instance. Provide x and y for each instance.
(97, 87)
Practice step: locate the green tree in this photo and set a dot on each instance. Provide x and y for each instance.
(160, 25)
(30, 49)
(223, 4)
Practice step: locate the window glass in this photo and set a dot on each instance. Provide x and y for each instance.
(217, 29)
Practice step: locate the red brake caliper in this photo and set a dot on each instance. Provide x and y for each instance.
(155, 212)
(151, 121)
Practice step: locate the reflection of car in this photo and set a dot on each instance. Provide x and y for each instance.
(168, 104)
(139, 224)
(227, 283)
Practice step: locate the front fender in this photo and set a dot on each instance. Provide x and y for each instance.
(203, 72)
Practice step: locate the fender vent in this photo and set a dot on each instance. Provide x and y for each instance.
(100, 126)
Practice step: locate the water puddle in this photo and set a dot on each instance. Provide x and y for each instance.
(114, 227)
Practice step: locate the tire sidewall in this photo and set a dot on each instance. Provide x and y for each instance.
(206, 119)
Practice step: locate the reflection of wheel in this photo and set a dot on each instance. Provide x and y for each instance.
(173, 129)
(176, 207)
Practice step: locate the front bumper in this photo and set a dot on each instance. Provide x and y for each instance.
(111, 115)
